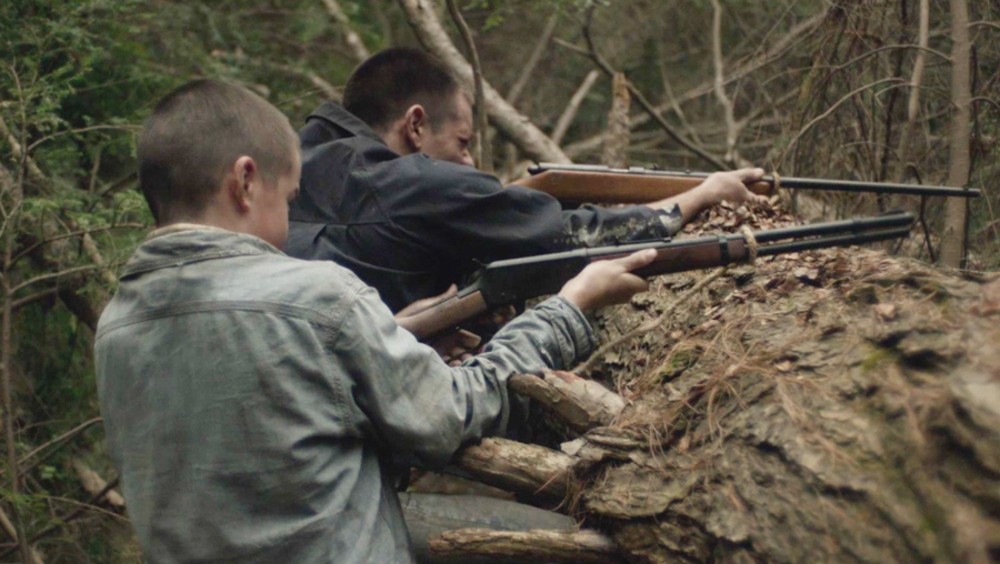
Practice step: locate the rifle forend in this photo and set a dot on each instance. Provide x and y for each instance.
(636, 185)
(513, 281)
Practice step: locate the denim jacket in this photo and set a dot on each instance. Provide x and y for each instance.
(251, 400)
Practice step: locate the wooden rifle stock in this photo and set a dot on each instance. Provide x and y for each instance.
(513, 281)
(600, 184)
(445, 315)
(620, 188)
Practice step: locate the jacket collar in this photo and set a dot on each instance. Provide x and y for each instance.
(339, 117)
(180, 244)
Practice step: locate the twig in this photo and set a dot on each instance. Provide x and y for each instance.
(64, 520)
(351, 37)
(51, 275)
(649, 325)
(37, 296)
(646, 105)
(569, 114)
(484, 153)
(6, 348)
(913, 104)
(28, 250)
(61, 438)
(776, 50)
(732, 131)
(514, 94)
(830, 110)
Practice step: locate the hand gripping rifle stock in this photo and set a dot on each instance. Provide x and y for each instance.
(636, 185)
(513, 281)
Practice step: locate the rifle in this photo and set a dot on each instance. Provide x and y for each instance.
(506, 282)
(637, 185)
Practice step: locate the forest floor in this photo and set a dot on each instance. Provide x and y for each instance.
(831, 404)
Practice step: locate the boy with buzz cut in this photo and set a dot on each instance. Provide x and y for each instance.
(251, 400)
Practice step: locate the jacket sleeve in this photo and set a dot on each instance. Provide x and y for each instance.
(417, 406)
(471, 215)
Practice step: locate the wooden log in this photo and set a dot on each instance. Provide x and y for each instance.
(580, 403)
(518, 467)
(588, 547)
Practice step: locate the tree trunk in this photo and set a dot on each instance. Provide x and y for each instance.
(957, 210)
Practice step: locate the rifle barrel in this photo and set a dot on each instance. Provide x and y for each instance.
(877, 187)
(832, 241)
(836, 227)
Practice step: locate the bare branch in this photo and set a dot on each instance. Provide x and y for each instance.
(829, 111)
(983, 23)
(515, 126)
(82, 232)
(34, 172)
(514, 94)
(56, 441)
(351, 37)
(37, 296)
(569, 114)
(913, 105)
(484, 154)
(646, 105)
(74, 131)
(775, 51)
(50, 276)
(62, 521)
(720, 91)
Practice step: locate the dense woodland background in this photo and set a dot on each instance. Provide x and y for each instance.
(838, 89)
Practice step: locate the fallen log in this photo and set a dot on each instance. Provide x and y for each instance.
(531, 470)
(579, 403)
(830, 405)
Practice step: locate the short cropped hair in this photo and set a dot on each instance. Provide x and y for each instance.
(196, 133)
(381, 89)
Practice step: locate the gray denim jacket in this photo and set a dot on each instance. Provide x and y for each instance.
(250, 400)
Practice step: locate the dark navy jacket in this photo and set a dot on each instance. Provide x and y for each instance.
(411, 226)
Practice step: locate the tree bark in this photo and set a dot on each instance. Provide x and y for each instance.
(956, 210)
(529, 139)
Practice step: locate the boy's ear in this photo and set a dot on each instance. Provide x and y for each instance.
(415, 126)
(241, 181)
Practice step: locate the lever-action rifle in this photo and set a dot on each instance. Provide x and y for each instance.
(512, 281)
(636, 185)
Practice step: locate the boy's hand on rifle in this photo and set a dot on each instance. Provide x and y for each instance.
(608, 282)
(731, 186)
